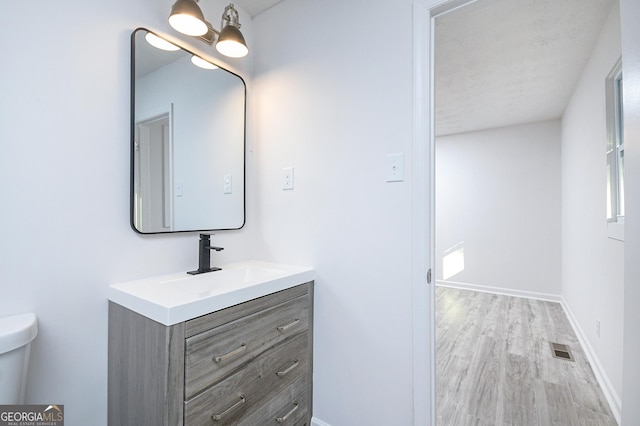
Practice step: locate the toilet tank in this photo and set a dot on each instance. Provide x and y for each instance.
(16, 334)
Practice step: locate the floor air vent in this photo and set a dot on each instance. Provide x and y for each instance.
(558, 350)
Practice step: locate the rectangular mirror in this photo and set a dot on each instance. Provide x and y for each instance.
(187, 140)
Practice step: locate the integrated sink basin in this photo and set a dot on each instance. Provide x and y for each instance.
(170, 299)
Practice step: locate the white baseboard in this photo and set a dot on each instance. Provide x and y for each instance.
(605, 384)
(317, 422)
(501, 290)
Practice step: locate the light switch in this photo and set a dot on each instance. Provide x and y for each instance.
(395, 167)
(287, 178)
(227, 184)
(178, 188)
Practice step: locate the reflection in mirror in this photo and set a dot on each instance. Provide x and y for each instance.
(188, 140)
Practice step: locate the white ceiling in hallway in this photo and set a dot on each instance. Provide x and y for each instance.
(508, 62)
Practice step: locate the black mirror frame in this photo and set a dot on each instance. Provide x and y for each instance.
(132, 144)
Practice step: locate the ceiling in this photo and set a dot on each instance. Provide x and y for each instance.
(508, 62)
(254, 7)
(505, 62)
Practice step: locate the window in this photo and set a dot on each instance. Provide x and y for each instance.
(615, 153)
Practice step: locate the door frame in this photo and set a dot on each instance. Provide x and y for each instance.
(423, 174)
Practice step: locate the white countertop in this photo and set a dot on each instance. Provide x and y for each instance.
(170, 299)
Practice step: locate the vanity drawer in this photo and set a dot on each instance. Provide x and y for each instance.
(215, 354)
(290, 407)
(255, 387)
(218, 318)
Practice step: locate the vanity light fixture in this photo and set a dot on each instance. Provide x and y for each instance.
(160, 43)
(187, 18)
(198, 61)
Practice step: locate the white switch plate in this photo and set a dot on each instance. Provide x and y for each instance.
(395, 167)
(287, 178)
(178, 188)
(227, 184)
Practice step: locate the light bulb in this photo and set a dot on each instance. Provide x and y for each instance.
(160, 43)
(187, 24)
(198, 61)
(231, 42)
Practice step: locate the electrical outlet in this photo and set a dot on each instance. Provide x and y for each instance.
(287, 178)
(598, 327)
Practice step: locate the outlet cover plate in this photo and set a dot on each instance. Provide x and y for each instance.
(287, 178)
(395, 167)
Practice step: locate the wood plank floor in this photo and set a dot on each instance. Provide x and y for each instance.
(494, 365)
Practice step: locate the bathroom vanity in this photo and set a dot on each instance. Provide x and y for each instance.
(247, 360)
(230, 347)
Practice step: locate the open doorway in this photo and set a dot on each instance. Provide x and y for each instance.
(504, 72)
(153, 205)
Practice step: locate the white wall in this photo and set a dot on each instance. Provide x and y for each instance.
(64, 164)
(630, 13)
(334, 96)
(498, 196)
(593, 264)
(325, 107)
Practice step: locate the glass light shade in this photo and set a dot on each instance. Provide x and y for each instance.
(187, 18)
(160, 43)
(231, 42)
(198, 61)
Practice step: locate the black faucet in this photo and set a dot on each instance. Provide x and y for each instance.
(204, 256)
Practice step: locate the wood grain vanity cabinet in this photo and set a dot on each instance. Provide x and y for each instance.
(249, 364)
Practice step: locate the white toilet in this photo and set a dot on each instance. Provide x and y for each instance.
(16, 334)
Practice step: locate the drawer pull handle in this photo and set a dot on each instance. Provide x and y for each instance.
(294, 365)
(230, 354)
(286, 416)
(288, 326)
(216, 417)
